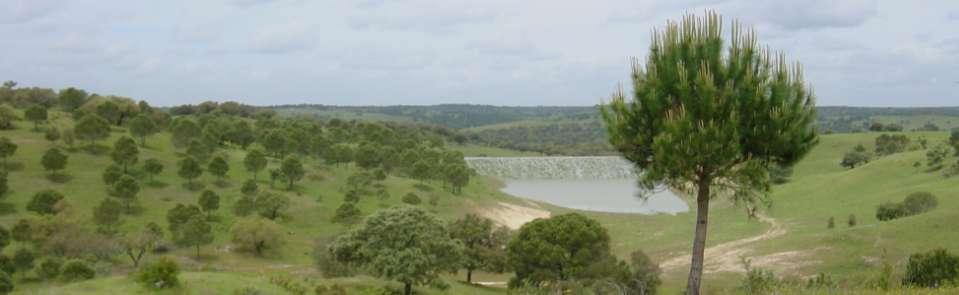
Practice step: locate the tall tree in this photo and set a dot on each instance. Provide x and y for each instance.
(209, 201)
(292, 169)
(107, 215)
(7, 149)
(126, 189)
(484, 244)
(37, 114)
(142, 126)
(110, 111)
(125, 152)
(189, 169)
(218, 167)
(92, 128)
(705, 115)
(403, 244)
(152, 167)
(255, 161)
(72, 98)
(54, 160)
(559, 248)
(257, 235)
(183, 131)
(195, 232)
(44, 202)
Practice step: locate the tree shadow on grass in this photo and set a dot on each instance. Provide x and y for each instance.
(59, 177)
(196, 186)
(157, 184)
(97, 149)
(12, 166)
(7, 208)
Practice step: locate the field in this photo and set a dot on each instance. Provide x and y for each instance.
(791, 239)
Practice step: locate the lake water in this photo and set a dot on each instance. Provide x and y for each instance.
(603, 195)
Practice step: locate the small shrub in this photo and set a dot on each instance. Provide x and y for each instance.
(351, 197)
(831, 222)
(77, 270)
(49, 268)
(6, 283)
(346, 213)
(160, 274)
(821, 281)
(889, 211)
(327, 264)
(932, 269)
(334, 289)
(919, 202)
(411, 199)
(248, 291)
(757, 280)
(852, 220)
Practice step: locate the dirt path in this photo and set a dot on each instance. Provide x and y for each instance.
(513, 216)
(726, 257)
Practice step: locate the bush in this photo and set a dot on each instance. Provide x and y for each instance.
(758, 281)
(919, 202)
(160, 274)
(346, 213)
(77, 270)
(49, 268)
(6, 283)
(915, 203)
(411, 199)
(334, 289)
(852, 220)
(932, 269)
(327, 264)
(831, 223)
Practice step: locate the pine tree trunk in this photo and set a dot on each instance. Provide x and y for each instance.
(699, 240)
(407, 289)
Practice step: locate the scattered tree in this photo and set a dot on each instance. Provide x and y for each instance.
(257, 235)
(7, 149)
(932, 269)
(219, 167)
(160, 274)
(7, 117)
(152, 167)
(189, 169)
(347, 213)
(107, 216)
(209, 201)
(111, 174)
(484, 245)
(854, 158)
(77, 270)
(292, 169)
(142, 126)
(195, 232)
(92, 128)
(179, 215)
(52, 134)
(249, 188)
(271, 205)
(126, 189)
(23, 259)
(125, 152)
(37, 114)
(403, 244)
(570, 240)
(255, 161)
(136, 244)
(44, 202)
(54, 160)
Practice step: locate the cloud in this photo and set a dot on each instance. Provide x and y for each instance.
(795, 15)
(434, 17)
(248, 3)
(282, 38)
(24, 11)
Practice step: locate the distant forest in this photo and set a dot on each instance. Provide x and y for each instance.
(578, 130)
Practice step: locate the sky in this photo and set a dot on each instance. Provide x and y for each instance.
(500, 52)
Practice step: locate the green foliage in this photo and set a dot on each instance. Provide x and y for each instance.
(936, 155)
(6, 265)
(126, 189)
(271, 206)
(23, 259)
(347, 213)
(570, 240)
(54, 160)
(7, 149)
(92, 128)
(44, 202)
(645, 274)
(209, 201)
(72, 98)
(854, 158)
(484, 245)
(890, 144)
(138, 243)
(7, 117)
(4, 186)
(195, 232)
(142, 126)
(851, 221)
(125, 152)
(403, 244)
(4, 237)
(161, 274)
(932, 269)
(327, 264)
(49, 268)
(107, 215)
(112, 174)
(218, 167)
(257, 235)
(707, 114)
(412, 199)
(831, 222)
(77, 270)
(179, 215)
(110, 111)
(189, 169)
(255, 161)
(21, 232)
(915, 203)
(245, 205)
(152, 167)
(292, 169)
(758, 281)
(779, 174)
(183, 132)
(37, 114)
(6, 283)
(52, 134)
(249, 187)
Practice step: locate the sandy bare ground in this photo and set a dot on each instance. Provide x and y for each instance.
(513, 216)
(727, 257)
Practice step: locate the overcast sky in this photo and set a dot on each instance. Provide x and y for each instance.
(503, 52)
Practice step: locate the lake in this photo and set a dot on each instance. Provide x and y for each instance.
(603, 195)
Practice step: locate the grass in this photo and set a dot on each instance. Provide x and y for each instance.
(820, 188)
